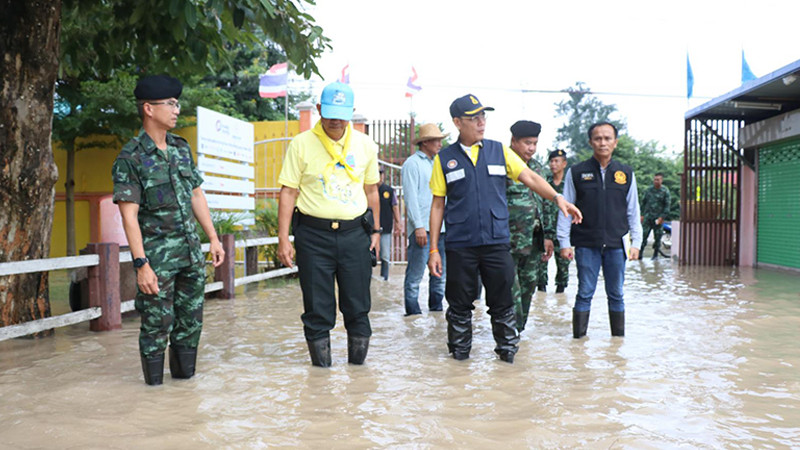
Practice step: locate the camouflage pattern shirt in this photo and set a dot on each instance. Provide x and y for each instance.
(161, 183)
(551, 211)
(655, 203)
(524, 214)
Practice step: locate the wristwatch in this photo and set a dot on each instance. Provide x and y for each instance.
(377, 231)
(140, 262)
(555, 197)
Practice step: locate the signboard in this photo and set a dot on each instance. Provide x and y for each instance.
(225, 157)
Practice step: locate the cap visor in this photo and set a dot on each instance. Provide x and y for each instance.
(476, 111)
(336, 112)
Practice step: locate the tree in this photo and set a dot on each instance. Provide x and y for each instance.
(581, 111)
(101, 39)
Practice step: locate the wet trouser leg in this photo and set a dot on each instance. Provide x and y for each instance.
(461, 289)
(185, 335)
(322, 258)
(614, 274)
(647, 225)
(526, 276)
(562, 269)
(658, 231)
(417, 261)
(497, 272)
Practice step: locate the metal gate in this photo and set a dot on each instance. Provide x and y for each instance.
(394, 139)
(710, 193)
(778, 198)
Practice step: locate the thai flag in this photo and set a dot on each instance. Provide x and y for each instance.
(412, 88)
(273, 83)
(345, 74)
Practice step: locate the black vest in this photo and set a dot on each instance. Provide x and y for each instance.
(604, 205)
(387, 217)
(476, 212)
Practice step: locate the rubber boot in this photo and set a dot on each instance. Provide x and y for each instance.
(182, 361)
(580, 322)
(384, 269)
(506, 336)
(656, 251)
(459, 333)
(320, 351)
(357, 347)
(153, 369)
(560, 288)
(617, 319)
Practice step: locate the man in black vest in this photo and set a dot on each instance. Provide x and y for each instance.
(390, 221)
(471, 174)
(605, 191)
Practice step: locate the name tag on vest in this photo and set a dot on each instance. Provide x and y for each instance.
(455, 175)
(497, 170)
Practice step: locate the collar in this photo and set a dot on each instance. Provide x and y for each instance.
(422, 155)
(468, 148)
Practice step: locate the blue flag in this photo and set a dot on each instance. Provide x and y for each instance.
(689, 77)
(747, 74)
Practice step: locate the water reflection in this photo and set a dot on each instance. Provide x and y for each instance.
(710, 360)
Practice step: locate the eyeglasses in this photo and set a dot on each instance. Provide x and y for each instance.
(477, 118)
(171, 103)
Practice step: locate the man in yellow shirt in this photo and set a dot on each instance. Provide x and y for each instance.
(329, 178)
(471, 174)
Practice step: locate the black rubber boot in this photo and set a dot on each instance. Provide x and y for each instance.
(560, 288)
(617, 319)
(580, 322)
(320, 351)
(459, 333)
(542, 288)
(153, 369)
(506, 336)
(384, 269)
(357, 347)
(182, 361)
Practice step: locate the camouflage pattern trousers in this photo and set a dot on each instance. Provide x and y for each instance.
(526, 273)
(562, 268)
(175, 314)
(649, 223)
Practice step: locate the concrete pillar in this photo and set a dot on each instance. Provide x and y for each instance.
(104, 287)
(306, 110)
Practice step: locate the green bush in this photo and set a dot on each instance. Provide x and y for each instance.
(267, 224)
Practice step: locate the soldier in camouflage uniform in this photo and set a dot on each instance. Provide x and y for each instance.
(558, 164)
(528, 241)
(655, 209)
(157, 188)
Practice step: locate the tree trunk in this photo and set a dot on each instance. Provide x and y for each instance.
(29, 43)
(69, 187)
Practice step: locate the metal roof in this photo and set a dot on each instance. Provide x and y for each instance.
(759, 99)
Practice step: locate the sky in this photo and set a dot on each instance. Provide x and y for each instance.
(632, 53)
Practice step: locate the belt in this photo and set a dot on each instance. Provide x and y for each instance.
(329, 225)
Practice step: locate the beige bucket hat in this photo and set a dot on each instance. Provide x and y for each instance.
(428, 132)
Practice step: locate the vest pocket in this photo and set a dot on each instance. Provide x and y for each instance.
(458, 229)
(500, 223)
(160, 195)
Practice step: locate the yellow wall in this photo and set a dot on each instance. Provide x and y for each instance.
(93, 176)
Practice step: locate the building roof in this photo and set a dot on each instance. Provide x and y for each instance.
(759, 99)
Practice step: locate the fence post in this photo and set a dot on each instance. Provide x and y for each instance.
(251, 260)
(225, 271)
(104, 286)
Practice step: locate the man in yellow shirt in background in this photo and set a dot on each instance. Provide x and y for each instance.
(331, 175)
(471, 175)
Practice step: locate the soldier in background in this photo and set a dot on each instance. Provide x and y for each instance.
(558, 164)
(525, 208)
(655, 209)
(157, 188)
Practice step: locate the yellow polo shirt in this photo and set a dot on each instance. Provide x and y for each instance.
(514, 166)
(339, 197)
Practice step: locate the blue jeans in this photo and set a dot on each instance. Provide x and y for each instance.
(589, 260)
(417, 262)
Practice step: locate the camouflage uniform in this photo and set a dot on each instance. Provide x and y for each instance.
(161, 182)
(551, 212)
(655, 204)
(527, 242)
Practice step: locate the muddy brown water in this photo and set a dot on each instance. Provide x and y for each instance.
(710, 360)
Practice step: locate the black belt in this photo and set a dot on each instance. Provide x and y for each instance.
(329, 225)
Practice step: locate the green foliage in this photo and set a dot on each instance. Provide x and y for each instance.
(224, 223)
(267, 224)
(581, 111)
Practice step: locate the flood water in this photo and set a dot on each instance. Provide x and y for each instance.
(711, 359)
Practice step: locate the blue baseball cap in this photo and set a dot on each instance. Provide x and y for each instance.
(337, 102)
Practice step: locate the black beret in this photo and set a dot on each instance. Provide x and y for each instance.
(156, 87)
(557, 153)
(525, 128)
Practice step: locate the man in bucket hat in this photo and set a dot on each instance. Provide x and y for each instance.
(417, 194)
(329, 178)
(471, 175)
